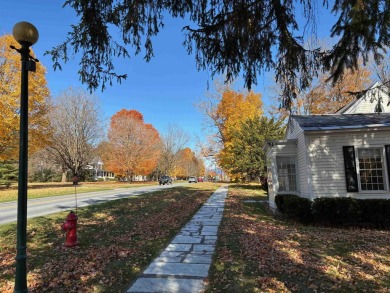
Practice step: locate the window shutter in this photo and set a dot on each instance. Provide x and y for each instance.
(350, 169)
(387, 150)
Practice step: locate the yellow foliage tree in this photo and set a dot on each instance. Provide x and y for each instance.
(226, 113)
(233, 110)
(38, 102)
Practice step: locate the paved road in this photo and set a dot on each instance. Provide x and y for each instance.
(48, 205)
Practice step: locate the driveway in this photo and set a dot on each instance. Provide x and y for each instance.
(48, 205)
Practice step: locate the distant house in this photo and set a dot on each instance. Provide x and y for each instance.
(346, 154)
(99, 174)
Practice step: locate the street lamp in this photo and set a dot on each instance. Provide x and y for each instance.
(26, 35)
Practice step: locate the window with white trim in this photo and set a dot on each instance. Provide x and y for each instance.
(287, 174)
(371, 169)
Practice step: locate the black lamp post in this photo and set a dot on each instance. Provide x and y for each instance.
(26, 35)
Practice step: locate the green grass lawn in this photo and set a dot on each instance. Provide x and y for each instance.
(258, 253)
(118, 239)
(37, 190)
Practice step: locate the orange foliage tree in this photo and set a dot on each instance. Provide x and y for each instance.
(133, 147)
(322, 96)
(38, 102)
(328, 98)
(189, 164)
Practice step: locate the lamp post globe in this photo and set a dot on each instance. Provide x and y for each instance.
(25, 32)
(26, 35)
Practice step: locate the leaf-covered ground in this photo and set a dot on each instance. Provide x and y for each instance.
(117, 240)
(258, 253)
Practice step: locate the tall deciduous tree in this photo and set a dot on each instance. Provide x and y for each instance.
(226, 109)
(230, 36)
(38, 103)
(174, 140)
(245, 155)
(189, 164)
(225, 113)
(328, 98)
(297, 107)
(133, 146)
(325, 97)
(77, 128)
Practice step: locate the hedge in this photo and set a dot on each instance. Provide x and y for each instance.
(295, 207)
(342, 211)
(336, 211)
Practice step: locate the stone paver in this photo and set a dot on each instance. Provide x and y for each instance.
(178, 247)
(185, 262)
(197, 258)
(187, 239)
(177, 269)
(171, 285)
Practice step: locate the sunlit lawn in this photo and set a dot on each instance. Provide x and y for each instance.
(258, 253)
(255, 252)
(37, 190)
(118, 239)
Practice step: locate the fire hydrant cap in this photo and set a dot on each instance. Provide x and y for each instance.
(71, 217)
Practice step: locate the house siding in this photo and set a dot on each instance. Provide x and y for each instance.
(271, 168)
(272, 177)
(317, 142)
(327, 169)
(303, 161)
(367, 104)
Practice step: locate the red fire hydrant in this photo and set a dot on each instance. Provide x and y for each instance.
(70, 226)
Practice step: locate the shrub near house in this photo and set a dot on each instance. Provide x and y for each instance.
(373, 213)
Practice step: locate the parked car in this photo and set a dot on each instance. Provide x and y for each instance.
(165, 180)
(200, 179)
(192, 179)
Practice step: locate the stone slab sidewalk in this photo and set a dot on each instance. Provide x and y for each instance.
(185, 262)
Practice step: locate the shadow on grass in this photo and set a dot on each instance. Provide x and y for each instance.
(248, 186)
(257, 253)
(251, 186)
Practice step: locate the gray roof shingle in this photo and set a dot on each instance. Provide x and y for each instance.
(343, 121)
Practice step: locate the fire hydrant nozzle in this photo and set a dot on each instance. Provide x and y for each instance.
(70, 226)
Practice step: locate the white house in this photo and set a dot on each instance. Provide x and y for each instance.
(99, 172)
(346, 154)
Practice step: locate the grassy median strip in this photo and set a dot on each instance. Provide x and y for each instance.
(39, 190)
(118, 239)
(258, 253)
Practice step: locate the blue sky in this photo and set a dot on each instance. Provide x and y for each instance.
(165, 90)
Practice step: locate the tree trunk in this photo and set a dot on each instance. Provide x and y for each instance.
(128, 175)
(63, 178)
